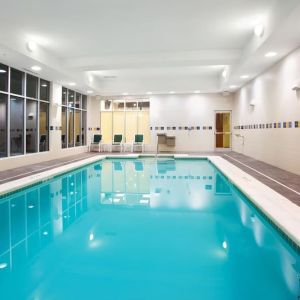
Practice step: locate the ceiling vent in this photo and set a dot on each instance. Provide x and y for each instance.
(109, 77)
(226, 93)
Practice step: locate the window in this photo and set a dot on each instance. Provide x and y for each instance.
(16, 82)
(70, 127)
(44, 121)
(31, 126)
(3, 78)
(77, 124)
(44, 90)
(64, 127)
(128, 118)
(24, 112)
(31, 86)
(64, 96)
(16, 126)
(73, 118)
(3, 125)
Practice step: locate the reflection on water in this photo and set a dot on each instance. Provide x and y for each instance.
(141, 229)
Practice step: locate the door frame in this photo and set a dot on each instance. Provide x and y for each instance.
(215, 133)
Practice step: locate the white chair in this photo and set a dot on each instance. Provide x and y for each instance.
(138, 142)
(96, 143)
(117, 143)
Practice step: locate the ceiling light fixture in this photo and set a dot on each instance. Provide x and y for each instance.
(44, 85)
(172, 92)
(89, 92)
(224, 73)
(271, 54)
(245, 76)
(31, 46)
(72, 84)
(232, 86)
(197, 92)
(259, 30)
(149, 93)
(36, 68)
(2, 71)
(125, 94)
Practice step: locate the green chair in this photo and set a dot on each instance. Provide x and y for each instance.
(117, 143)
(96, 142)
(138, 142)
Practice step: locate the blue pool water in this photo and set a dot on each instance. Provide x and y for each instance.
(141, 229)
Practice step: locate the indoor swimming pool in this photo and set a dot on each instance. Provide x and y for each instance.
(141, 229)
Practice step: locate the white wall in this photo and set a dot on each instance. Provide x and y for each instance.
(275, 101)
(187, 110)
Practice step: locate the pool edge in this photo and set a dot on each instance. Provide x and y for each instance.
(283, 213)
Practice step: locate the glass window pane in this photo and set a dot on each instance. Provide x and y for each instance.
(64, 96)
(78, 100)
(71, 98)
(16, 126)
(70, 127)
(3, 78)
(131, 105)
(31, 86)
(106, 126)
(84, 102)
(131, 126)
(64, 127)
(106, 105)
(144, 105)
(16, 82)
(31, 126)
(44, 90)
(83, 128)
(77, 127)
(3, 125)
(118, 105)
(44, 128)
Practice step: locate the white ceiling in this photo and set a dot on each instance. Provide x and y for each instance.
(144, 46)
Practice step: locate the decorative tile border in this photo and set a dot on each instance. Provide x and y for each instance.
(188, 128)
(55, 128)
(274, 125)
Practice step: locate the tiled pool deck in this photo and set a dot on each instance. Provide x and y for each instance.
(283, 182)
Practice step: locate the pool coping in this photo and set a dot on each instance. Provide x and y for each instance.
(282, 212)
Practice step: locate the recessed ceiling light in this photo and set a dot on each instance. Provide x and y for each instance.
(125, 94)
(245, 76)
(271, 54)
(36, 68)
(224, 73)
(72, 84)
(259, 30)
(172, 92)
(2, 71)
(31, 46)
(197, 92)
(149, 93)
(91, 79)
(89, 92)
(232, 86)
